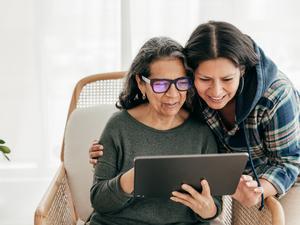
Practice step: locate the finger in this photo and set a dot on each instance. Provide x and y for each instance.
(93, 161)
(259, 190)
(182, 201)
(190, 190)
(205, 188)
(252, 184)
(95, 147)
(96, 154)
(181, 195)
(246, 178)
(95, 141)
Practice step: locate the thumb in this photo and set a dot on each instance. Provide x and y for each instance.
(205, 188)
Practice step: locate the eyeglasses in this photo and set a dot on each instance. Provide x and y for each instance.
(163, 85)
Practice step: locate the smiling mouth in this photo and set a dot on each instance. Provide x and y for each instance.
(217, 100)
(170, 105)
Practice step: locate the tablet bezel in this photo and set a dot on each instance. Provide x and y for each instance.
(158, 176)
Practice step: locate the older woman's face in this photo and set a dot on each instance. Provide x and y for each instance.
(170, 102)
(217, 81)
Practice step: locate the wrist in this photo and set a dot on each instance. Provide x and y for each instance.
(269, 189)
(125, 183)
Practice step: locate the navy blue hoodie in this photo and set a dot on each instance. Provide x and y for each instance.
(267, 114)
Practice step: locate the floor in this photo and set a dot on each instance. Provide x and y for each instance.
(21, 189)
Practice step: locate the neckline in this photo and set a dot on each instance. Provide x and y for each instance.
(137, 122)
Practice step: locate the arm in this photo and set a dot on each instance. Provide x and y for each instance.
(279, 126)
(281, 141)
(107, 194)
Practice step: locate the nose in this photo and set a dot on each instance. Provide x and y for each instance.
(216, 89)
(172, 91)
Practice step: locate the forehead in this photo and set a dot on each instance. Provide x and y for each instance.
(217, 67)
(167, 68)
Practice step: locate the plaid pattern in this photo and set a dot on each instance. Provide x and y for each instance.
(273, 129)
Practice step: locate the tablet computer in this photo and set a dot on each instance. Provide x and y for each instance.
(158, 176)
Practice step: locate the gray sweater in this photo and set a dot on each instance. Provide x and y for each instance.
(124, 138)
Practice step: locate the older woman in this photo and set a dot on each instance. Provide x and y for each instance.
(153, 121)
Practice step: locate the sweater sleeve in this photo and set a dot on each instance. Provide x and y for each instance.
(282, 140)
(218, 201)
(106, 194)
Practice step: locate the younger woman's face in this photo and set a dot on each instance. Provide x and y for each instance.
(217, 81)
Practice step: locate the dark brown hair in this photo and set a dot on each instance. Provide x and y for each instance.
(220, 39)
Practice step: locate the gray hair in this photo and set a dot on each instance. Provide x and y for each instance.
(154, 49)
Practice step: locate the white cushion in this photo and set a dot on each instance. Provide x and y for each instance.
(83, 126)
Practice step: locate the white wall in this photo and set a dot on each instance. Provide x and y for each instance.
(46, 46)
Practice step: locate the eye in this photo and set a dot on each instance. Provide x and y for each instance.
(228, 79)
(204, 78)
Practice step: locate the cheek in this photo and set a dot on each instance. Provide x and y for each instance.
(233, 88)
(199, 87)
(183, 96)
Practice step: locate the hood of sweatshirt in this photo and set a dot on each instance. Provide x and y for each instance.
(256, 82)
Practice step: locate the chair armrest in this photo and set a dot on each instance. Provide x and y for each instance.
(290, 203)
(272, 214)
(56, 206)
(276, 210)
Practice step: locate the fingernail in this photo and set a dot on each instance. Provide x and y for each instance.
(259, 190)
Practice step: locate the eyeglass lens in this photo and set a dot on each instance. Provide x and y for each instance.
(182, 84)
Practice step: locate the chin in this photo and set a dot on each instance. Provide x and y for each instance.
(216, 106)
(171, 112)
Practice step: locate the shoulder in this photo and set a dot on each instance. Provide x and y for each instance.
(117, 118)
(115, 126)
(195, 123)
(280, 102)
(281, 91)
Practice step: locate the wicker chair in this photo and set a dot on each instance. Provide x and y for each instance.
(66, 201)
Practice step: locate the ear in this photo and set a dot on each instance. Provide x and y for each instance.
(243, 70)
(141, 84)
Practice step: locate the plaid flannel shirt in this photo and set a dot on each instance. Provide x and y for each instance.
(274, 134)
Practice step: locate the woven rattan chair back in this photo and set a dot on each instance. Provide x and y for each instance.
(97, 89)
